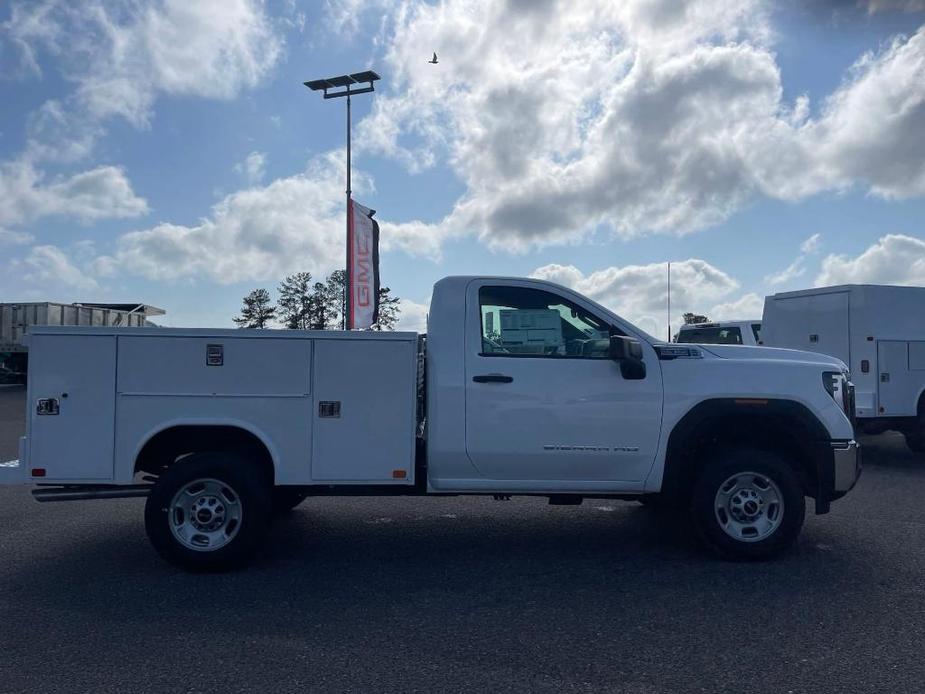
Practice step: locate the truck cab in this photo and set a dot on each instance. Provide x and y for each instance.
(735, 332)
(520, 386)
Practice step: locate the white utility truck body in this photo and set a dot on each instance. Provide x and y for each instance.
(520, 387)
(879, 331)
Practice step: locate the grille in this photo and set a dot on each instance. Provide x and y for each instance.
(848, 401)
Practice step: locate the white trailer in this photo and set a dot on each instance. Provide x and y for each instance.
(520, 387)
(879, 331)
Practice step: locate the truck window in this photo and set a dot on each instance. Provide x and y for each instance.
(519, 321)
(711, 336)
(756, 329)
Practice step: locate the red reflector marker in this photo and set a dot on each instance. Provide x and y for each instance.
(38, 472)
(399, 474)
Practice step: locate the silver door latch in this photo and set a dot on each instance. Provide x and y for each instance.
(47, 406)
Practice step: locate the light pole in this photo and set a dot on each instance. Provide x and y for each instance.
(344, 85)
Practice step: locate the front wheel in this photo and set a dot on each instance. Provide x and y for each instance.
(915, 440)
(209, 511)
(748, 504)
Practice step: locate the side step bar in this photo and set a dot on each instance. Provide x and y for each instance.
(80, 492)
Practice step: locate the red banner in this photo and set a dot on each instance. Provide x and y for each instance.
(363, 272)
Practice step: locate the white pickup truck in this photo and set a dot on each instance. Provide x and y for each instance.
(519, 387)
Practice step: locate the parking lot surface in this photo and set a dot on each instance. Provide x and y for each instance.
(467, 594)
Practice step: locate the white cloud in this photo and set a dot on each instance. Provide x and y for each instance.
(100, 193)
(796, 269)
(413, 316)
(812, 244)
(14, 238)
(261, 233)
(254, 167)
(639, 293)
(50, 267)
(635, 117)
(894, 259)
(874, 6)
(746, 307)
(120, 54)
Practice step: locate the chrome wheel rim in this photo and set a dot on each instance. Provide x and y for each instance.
(205, 515)
(749, 506)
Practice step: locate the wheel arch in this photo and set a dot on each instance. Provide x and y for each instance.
(168, 442)
(779, 425)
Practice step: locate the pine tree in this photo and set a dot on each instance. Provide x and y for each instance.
(294, 307)
(256, 311)
(389, 310)
(324, 307)
(335, 288)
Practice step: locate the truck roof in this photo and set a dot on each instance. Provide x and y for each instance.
(250, 333)
(846, 288)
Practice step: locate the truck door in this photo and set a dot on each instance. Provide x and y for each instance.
(543, 399)
(897, 389)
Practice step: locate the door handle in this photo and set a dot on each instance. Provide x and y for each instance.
(493, 378)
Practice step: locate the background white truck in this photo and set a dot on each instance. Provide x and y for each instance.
(520, 387)
(879, 331)
(732, 332)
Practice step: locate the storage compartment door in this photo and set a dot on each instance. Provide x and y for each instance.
(817, 323)
(898, 387)
(364, 411)
(79, 372)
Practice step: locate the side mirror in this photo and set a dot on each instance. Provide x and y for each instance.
(623, 347)
(628, 352)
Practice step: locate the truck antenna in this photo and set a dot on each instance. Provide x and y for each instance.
(669, 301)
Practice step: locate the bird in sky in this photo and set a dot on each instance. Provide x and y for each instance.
(433, 61)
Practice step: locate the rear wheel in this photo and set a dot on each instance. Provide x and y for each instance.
(748, 503)
(209, 511)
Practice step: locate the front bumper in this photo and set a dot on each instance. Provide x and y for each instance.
(838, 470)
(846, 464)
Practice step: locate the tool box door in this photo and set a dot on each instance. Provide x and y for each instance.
(74, 376)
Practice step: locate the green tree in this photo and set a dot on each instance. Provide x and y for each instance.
(294, 306)
(694, 319)
(325, 306)
(389, 310)
(256, 311)
(334, 285)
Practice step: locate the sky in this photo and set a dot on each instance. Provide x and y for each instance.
(166, 152)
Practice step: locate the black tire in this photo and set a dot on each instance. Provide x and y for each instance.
(243, 484)
(718, 469)
(915, 440)
(287, 498)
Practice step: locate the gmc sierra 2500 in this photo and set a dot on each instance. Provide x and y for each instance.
(519, 387)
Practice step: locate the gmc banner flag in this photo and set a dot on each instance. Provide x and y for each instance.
(363, 255)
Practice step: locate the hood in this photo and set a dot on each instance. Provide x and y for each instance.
(773, 353)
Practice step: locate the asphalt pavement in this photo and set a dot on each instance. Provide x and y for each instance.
(469, 595)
